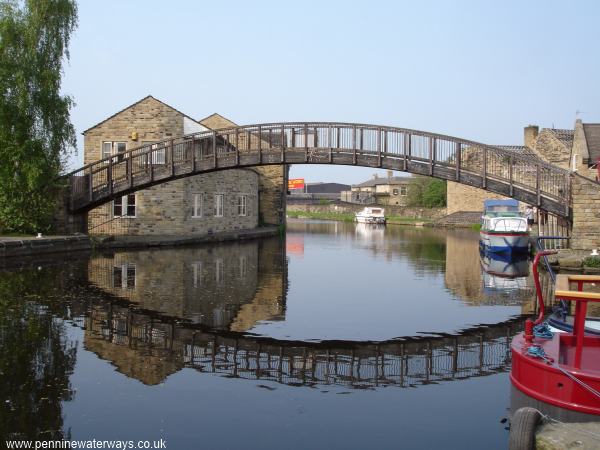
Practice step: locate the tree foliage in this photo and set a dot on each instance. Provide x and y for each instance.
(36, 134)
(427, 192)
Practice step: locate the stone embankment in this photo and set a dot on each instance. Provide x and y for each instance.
(574, 260)
(11, 247)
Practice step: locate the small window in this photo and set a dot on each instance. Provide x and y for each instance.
(125, 206)
(403, 190)
(124, 276)
(395, 192)
(106, 149)
(242, 201)
(197, 206)
(219, 205)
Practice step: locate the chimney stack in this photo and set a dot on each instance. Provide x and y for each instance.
(530, 135)
(375, 176)
(390, 174)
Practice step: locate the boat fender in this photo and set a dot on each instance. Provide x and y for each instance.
(522, 429)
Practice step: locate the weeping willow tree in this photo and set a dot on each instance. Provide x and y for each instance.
(36, 134)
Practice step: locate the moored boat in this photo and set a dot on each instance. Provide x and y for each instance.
(560, 369)
(503, 228)
(371, 215)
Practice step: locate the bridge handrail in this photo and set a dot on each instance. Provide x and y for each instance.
(147, 148)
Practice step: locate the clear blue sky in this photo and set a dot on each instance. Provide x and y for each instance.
(476, 69)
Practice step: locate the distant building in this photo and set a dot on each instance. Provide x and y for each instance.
(319, 191)
(388, 190)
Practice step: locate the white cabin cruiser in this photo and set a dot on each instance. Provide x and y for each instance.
(503, 228)
(371, 215)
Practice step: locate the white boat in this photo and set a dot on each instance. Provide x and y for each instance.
(503, 228)
(371, 215)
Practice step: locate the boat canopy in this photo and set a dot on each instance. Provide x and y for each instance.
(499, 206)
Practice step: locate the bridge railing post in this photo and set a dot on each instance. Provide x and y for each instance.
(457, 159)
(109, 176)
(432, 144)
(511, 186)
(172, 152)
(214, 148)
(484, 169)
(283, 143)
(406, 150)
(305, 142)
(354, 144)
(129, 167)
(538, 192)
(260, 156)
(91, 184)
(237, 146)
(329, 139)
(378, 137)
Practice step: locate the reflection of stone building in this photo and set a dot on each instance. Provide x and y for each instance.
(233, 285)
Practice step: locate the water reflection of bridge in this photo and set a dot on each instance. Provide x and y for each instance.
(149, 347)
(163, 312)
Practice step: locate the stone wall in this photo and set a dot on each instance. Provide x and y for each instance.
(404, 211)
(467, 198)
(586, 213)
(167, 209)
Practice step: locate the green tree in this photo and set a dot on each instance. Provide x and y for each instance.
(36, 134)
(427, 192)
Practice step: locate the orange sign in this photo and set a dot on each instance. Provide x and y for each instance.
(296, 183)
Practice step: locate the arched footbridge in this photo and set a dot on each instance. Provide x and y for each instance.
(495, 169)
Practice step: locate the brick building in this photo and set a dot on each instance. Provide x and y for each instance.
(222, 201)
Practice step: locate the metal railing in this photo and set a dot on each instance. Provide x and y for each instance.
(495, 169)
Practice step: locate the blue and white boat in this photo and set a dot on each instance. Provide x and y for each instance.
(503, 228)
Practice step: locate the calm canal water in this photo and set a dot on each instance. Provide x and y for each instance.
(338, 336)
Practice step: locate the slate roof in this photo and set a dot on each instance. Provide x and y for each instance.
(326, 188)
(564, 136)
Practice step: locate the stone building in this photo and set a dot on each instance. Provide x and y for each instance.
(203, 204)
(390, 191)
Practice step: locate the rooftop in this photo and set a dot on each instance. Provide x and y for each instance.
(384, 180)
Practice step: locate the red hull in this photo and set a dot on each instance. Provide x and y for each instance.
(545, 382)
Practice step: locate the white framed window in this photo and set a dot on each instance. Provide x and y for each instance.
(219, 198)
(124, 276)
(197, 269)
(113, 148)
(197, 211)
(125, 206)
(395, 192)
(403, 190)
(242, 205)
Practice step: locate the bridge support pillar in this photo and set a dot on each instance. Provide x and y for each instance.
(65, 222)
